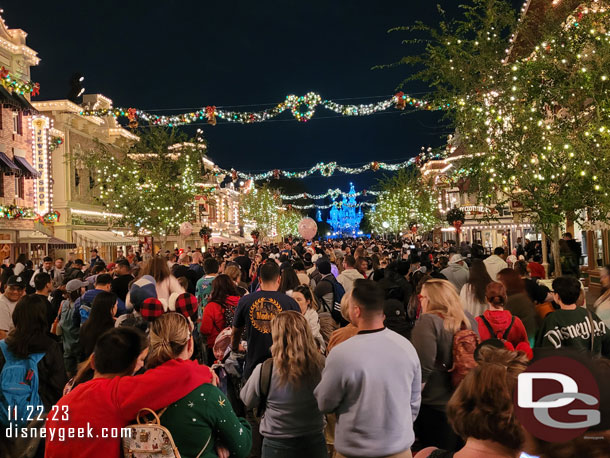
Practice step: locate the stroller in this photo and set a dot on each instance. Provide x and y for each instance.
(229, 371)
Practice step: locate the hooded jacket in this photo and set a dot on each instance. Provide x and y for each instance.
(213, 320)
(456, 274)
(500, 320)
(494, 264)
(348, 277)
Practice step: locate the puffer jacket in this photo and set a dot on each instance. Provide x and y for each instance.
(213, 320)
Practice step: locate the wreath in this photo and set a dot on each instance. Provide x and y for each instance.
(456, 218)
(205, 231)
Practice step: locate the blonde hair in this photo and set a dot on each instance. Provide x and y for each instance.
(168, 334)
(233, 272)
(345, 306)
(444, 300)
(296, 358)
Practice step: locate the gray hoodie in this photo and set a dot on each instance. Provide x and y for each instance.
(456, 274)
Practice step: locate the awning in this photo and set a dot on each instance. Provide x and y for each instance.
(25, 167)
(102, 238)
(7, 165)
(25, 104)
(220, 239)
(39, 237)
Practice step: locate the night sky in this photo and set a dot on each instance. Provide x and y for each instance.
(158, 55)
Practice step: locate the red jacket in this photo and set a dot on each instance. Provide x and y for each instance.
(500, 320)
(213, 320)
(105, 403)
(536, 270)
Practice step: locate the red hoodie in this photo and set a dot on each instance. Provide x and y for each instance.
(101, 404)
(213, 320)
(500, 321)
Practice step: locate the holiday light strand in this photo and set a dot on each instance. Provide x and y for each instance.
(302, 108)
(328, 169)
(326, 207)
(14, 84)
(332, 193)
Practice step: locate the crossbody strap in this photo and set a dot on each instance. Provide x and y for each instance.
(204, 447)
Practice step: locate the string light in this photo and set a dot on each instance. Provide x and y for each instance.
(302, 108)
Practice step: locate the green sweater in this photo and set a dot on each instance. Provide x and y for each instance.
(572, 329)
(203, 412)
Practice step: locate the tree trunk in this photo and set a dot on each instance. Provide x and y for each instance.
(555, 250)
(545, 254)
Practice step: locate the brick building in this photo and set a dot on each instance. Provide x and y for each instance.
(19, 174)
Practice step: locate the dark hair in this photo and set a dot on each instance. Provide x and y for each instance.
(511, 280)
(210, 266)
(567, 288)
(478, 279)
(369, 295)
(270, 271)
(31, 325)
(567, 234)
(521, 268)
(79, 262)
(123, 262)
(495, 293)
(47, 259)
(289, 280)
(59, 259)
(307, 294)
(99, 321)
(222, 287)
(117, 350)
(103, 279)
(498, 251)
(98, 267)
(22, 258)
(41, 280)
(298, 265)
(29, 264)
(349, 260)
(157, 268)
(537, 258)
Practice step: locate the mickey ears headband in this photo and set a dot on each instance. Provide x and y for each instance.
(186, 304)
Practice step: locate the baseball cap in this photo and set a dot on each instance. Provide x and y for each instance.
(75, 285)
(16, 280)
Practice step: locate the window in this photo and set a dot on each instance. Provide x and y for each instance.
(21, 187)
(17, 123)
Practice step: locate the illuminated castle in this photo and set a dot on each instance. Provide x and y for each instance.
(346, 215)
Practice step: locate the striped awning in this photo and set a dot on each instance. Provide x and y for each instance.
(39, 237)
(25, 167)
(7, 164)
(102, 238)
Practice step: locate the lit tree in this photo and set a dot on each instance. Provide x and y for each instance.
(288, 222)
(404, 200)
(152, 183)
(533, 130)
(261, 206)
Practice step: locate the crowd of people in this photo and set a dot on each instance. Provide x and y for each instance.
(344, 348)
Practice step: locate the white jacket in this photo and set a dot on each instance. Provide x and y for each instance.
(348, 277)
(494, 264)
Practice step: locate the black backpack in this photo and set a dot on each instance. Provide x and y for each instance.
(494, 339)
